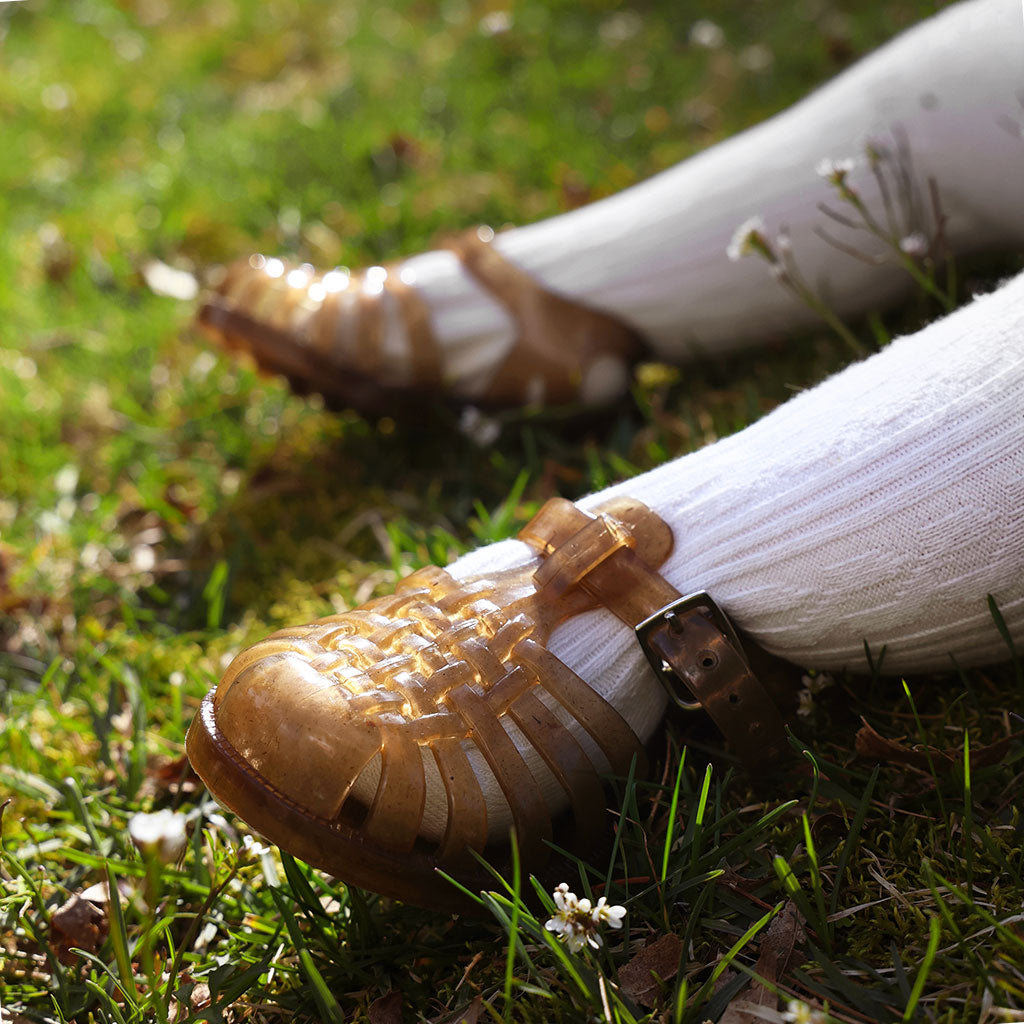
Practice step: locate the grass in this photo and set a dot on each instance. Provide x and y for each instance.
(162, 506)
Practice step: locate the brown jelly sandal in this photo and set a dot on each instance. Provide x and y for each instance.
(408, 686)
(326, 332)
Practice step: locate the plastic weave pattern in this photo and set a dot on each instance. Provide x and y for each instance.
(325, 331)
(329, 332)
(327, 737)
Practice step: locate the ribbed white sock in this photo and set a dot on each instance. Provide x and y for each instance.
(881, 506)
(655, 254)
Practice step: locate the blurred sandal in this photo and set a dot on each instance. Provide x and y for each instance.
(366, 340)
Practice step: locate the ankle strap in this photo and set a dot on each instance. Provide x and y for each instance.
(690, 643)
(558, 339)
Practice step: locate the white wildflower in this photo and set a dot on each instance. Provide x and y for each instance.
(914, 244)
(817, 682)
(576, 921)
(161, 834)
(750, 237)
(604, 913)
(835, 171)
(798, 1012)
(170, 281)
(51, 522)
(496, 23)
(805, 703)
(143, 558)
(707, 34)
(481, 429)
(66, 480)
(251, 849)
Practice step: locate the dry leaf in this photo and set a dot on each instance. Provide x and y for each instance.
(201, 996)
(470, 1015)
(78, 923)
(778, 948)
(639, 978)
(870, 743)
(173, 775)
(387, 1009)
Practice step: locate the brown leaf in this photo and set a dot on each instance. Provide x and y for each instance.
(201, 996)
(170, 775)
(78, 923)
(778, 951)
(387, 1009)
(870, 743)
(641, 978)
(470, 1015)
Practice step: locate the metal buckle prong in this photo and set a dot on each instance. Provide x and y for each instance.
(670, 616)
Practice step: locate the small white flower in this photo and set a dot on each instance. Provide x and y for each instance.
(565, 901)
(798, 1012)
(835, 171)
(66, 480)
(605, 914)
(576, 921)
(707, 34)
(817, 682)
(805, 703)
(51, 522)
(161, 834)
(165, 280)
(481, 429)
(914, 244)
(751, 236)
(252, 849)
(496, 23)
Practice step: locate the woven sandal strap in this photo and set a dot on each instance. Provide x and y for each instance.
(326, 338)
(687, 639)
(557, 337)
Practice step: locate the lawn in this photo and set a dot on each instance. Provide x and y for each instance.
(162, 505)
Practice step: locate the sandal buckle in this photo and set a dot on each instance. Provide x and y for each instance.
(671, 616)
(697, 656)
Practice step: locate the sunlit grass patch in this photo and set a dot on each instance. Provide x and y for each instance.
(161, 506)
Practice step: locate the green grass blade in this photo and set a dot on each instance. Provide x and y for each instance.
(674, 806)
(934, 932)
(698, 819)
(119, 939)
(329, 1008)
(513, 927)
(853, 838)
(1004, 632)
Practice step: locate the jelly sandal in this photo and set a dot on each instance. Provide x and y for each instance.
(329, 739)
(329, 333)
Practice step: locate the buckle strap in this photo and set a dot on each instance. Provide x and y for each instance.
(689, 642)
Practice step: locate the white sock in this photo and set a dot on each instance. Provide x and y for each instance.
(881, 506)
(655, 254)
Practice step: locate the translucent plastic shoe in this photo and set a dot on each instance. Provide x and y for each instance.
(363, 743)
(365, 340)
